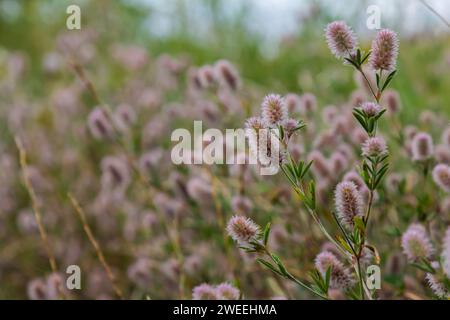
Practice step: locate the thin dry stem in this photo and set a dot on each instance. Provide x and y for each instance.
(95, 244)
(36, 209)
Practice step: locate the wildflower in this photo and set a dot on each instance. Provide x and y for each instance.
(340, 38)
(124, 117)
(393, 182)
(341, 277)
(293, 102)
(442, 154)
(140, 272)
(227, 74)
(371, 109)
(290, 125)
(171, 207)
(99, 124)
(274, 110)
(308, 103)
(255, 123)
(55, 286)
(206, 76)
(226, 291)
(349, 203)
(204, 292)
(242, 229)
(329, 113)
(391, 99)
(359, 96)
(436, 286)
(354, 177)
(37, 290)
(446, 253)
(320, 166)
(241, 205)
(374, 146)
(427, 117)
(151, 159)
(441, 176)
(384, 51)
(422, 146)
(338, 162)
(115, 173)
(199, 189)
(415, 243)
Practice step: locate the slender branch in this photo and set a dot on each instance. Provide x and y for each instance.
(95, 244)
(369, 85)
(34, 203)
(436, 13)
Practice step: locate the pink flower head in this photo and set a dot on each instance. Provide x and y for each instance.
(340, 38)
(227, 74)
(308, 103)
(446, 253)
(422, 146)
(226, 291)
(341, 277)
(415, 243)
(441, 176)
(384, 51)
(371, 109)
(204, 292)
(242, 229)
(374, 146)
(274, 110)
(391, 99)
(99, 124)
(349, 202)
(436, 286)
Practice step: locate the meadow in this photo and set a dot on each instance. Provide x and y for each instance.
(87, 178)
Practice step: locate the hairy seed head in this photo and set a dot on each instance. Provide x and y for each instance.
(341, 277)
(384, 51)
(340, 38)
(274, 110)
(242, 229)
(415, 243)
(422, 146)
(349, 202)
(374, 146)
(441, 176)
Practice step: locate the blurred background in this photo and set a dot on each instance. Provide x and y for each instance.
(139, 56)
(271, 41)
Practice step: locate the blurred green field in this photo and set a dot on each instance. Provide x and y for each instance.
(68, 156)
(302, 63)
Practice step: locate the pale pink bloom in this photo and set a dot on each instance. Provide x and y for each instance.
(391, 100)
(446, 253)
(416, 243)
(384, 51)
(242, 229)
(274, 110)
(226, 291)
(422, 146)
(441, 176)
(227, 74)
(100, 124)
(340, 38)
(374, 146)
(341, 277)
(204, 292)
(349, 203)
(371, 109)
